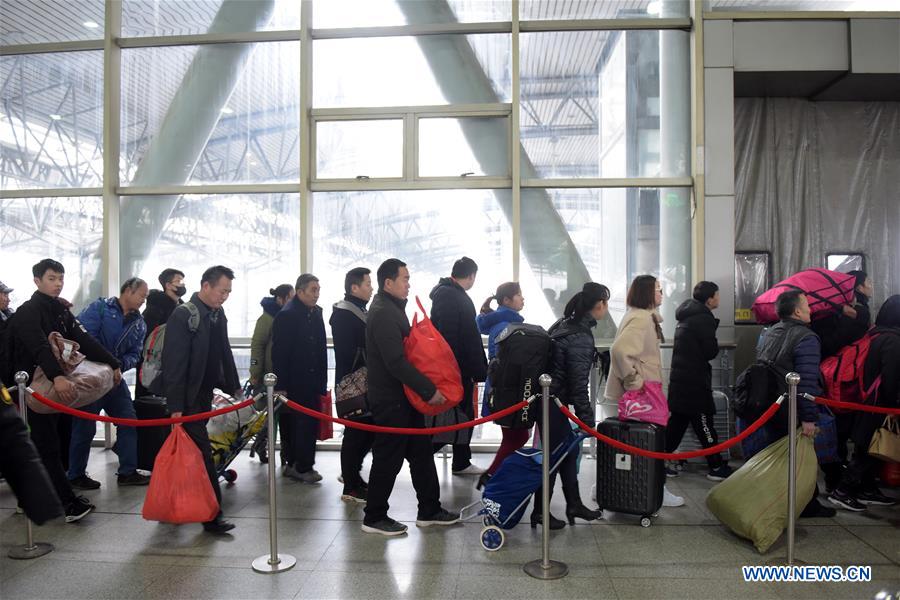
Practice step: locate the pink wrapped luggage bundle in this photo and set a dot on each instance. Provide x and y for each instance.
(92, 380)
(827, 291)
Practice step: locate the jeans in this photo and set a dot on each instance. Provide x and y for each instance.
(117, 403)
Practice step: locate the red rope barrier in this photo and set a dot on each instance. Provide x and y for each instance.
(404, 430)
(856, 406)
(674, 455)
(136, 422)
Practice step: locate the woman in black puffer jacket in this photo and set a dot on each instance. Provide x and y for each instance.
(570, 367)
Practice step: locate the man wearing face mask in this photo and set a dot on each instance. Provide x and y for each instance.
(160, 305)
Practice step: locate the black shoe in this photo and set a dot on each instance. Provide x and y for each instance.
(536, 519)
(441, 517)
(816, 510)
(83, 482)
(581, 512)
(874, 497)
(218, 525)
(133, 479)
(720, 473)
(78, 509)
(386, 526)
(845, 501)
(482, 481)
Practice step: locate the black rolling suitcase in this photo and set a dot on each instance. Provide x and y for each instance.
(150, 439)
(628, 483)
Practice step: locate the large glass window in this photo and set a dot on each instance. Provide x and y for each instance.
(216, 113)
(570, 236)
(359, 149)
(380, 13)
(602, 9)
(256, 235)
(802, 5)
(36, 21)
(463, 147)
(590, 104)
(410, 71)
(427, 229)
(65, 229)
(51, 120)
(184, 17)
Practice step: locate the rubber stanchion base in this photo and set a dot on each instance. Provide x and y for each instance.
(264, 565)
(556, 570)
(24, 552)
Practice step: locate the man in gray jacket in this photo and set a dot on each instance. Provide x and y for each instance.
(196, 358)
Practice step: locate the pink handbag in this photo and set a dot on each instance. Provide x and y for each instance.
(647, 404)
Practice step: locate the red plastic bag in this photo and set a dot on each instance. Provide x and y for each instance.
(428, 351)
(827, 291)
(326, 428)
(180, 490)
(647, 404)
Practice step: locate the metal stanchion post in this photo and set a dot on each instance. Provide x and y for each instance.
(544, 568)
(30, 549)
(792, 379)
(272, 562)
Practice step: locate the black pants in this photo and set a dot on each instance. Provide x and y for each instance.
(304, 433)
(860, 474)
(284, 430)
(560, 431)
(388, 453)
(462, 452)
(834, 471)
(196, 430)
(704, 429)
(354, 447)
(45, 435)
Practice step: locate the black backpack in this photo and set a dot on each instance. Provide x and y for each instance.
(7, 368)
(757, 388)
(523, 355)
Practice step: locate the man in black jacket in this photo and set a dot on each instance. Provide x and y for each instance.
(348, 330)
(44, 313)
(196, 358)
(453, 314)
(690, 382)
(160, 305)
(389, 371)
(300, 361)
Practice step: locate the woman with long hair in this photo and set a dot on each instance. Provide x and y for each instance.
(492, 323)
(635, 353)
(573, 356)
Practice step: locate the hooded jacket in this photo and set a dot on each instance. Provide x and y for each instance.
(123, 335)
(493, 323)
(453, 314)
(690, 379)
(261, 341)
(35, 320)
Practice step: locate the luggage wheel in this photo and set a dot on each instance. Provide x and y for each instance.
(645, 521)
(230, 475)
(492, 538)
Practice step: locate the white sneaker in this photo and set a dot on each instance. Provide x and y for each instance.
(670, 499)
(472, 469)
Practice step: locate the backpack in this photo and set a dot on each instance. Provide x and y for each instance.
(151, 369)
(7, 369)
(757, 388)
(843, 373)
(524, 353)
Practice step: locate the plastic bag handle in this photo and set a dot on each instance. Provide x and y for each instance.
(422, 308)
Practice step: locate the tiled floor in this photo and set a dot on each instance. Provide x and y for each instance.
(114, 553)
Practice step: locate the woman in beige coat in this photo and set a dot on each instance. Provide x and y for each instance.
(635, 355)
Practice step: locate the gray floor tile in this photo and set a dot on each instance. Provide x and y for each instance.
(648, 589)
(522, 586)
(204, 582)
(75, 579)
(883, 539)
(348, 586)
